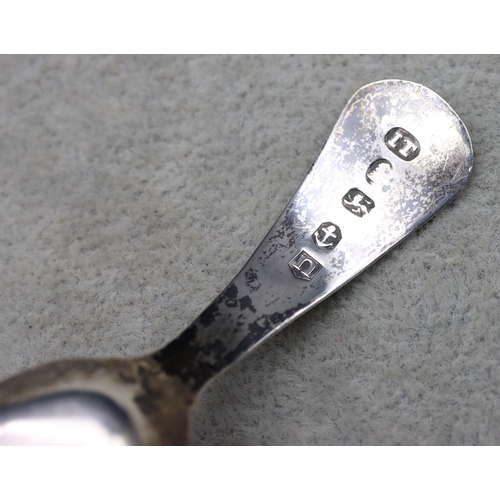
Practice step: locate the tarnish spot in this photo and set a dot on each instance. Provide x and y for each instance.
(231, 292)
(145, 404)
(209, 315)
(195, 361)
(229, 296)
(127, 378)
(285, 233)
(246, 303)
(261, 326)
(251, 276)
(176, 356)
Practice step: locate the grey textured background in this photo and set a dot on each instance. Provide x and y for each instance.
(132, 189)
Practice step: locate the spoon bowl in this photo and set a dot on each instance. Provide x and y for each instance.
(99, 401)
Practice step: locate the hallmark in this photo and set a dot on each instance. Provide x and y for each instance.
(357, 202)
(327, 236)
(402, 143)
(304, 266)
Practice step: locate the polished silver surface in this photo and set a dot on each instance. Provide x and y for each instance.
(397, 155)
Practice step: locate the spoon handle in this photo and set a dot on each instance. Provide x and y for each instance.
(396, 156)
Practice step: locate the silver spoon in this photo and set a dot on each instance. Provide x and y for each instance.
(396, 156)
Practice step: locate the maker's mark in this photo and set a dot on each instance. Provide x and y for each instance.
(380, 167)
(402, 143)
(357, 202)
(327, 236)
(304, 266)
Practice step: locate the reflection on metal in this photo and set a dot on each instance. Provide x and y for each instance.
(157, 392)
(68, 418)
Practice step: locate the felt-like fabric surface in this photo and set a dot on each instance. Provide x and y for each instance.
(132, 189)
